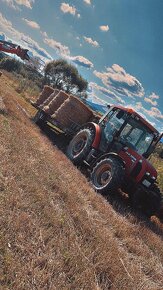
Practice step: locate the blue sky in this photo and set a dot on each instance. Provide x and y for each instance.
(117, 45)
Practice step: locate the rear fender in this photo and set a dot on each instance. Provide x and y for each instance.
(97, 131)
(113, 155)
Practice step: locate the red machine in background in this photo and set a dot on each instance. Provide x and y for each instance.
(9, 47)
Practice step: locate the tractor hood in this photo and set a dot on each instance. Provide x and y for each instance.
(138, 164)
(149, 168)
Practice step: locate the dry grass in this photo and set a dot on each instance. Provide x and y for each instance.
(56, 232)
(158, 164)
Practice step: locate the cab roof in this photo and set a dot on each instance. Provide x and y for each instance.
(131, 111)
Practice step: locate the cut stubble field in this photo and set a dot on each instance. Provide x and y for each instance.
(56, 232)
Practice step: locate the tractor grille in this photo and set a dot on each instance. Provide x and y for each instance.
(147, 180)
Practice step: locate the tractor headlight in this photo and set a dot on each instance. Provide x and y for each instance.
(146, 183)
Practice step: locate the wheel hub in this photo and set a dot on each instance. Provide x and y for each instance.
(79, 145)
(103, 175)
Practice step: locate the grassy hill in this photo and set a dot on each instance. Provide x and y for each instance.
(56, 232)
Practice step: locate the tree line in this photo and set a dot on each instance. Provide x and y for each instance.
(59, 74)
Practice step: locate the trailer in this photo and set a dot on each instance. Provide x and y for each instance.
(64, 112)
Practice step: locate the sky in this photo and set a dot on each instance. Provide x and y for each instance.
(117, 45)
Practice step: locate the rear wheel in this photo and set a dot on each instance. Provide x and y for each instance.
(108, 175)
(80, 145)
(147, 202)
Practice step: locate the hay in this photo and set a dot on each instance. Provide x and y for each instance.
(73, 111)
(49, 99)
(46, 92)
(56, 102)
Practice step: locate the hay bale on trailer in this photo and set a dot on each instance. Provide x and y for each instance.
(49, 99)
(56, 102)
(73, 111)
(46, 92)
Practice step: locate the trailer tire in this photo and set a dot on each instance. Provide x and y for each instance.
(39, 118)
(147, 202)
(80, 145)
(107, 175)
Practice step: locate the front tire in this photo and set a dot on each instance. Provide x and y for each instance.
(147, 202)
(80, 145)
(107, 176)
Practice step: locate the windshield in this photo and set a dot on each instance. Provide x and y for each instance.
(113, 122)
(137, 136)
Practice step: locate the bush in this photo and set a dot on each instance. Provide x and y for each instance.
(10, 64)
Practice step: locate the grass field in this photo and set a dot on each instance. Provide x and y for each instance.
(56, 232)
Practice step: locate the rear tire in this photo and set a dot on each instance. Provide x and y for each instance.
(80, 145)
(107, 176)
(147, 202)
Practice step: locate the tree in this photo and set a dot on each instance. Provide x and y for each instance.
(63, 75)
(10, 64)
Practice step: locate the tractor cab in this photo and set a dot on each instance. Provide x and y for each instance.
(126, 127)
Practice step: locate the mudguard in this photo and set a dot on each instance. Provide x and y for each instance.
(110, 154)
(97, 130)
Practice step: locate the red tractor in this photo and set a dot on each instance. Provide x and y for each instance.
(116, 149)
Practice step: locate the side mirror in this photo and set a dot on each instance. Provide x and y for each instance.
(108, 106)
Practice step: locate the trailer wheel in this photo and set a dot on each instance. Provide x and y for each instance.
(147, 202)
(39, 118)
(80, 145)
(108, 175)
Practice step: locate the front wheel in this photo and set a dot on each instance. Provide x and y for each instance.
(147, 202)
(107, 176)
(80, 145)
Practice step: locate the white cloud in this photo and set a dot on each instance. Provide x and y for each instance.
(92, 97)
(152, 99)
(11, 4)
(6, 26)
(91, 41)
(31, 23)
(104, 28)
(116, 79)
(82, 61)
(154, 96)
(44, 34)
(87, 2)
(153, 112)
(27, 3)
(64, 52)
(60, 48)
(14, 3)
(66, 8)
(108, 93)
